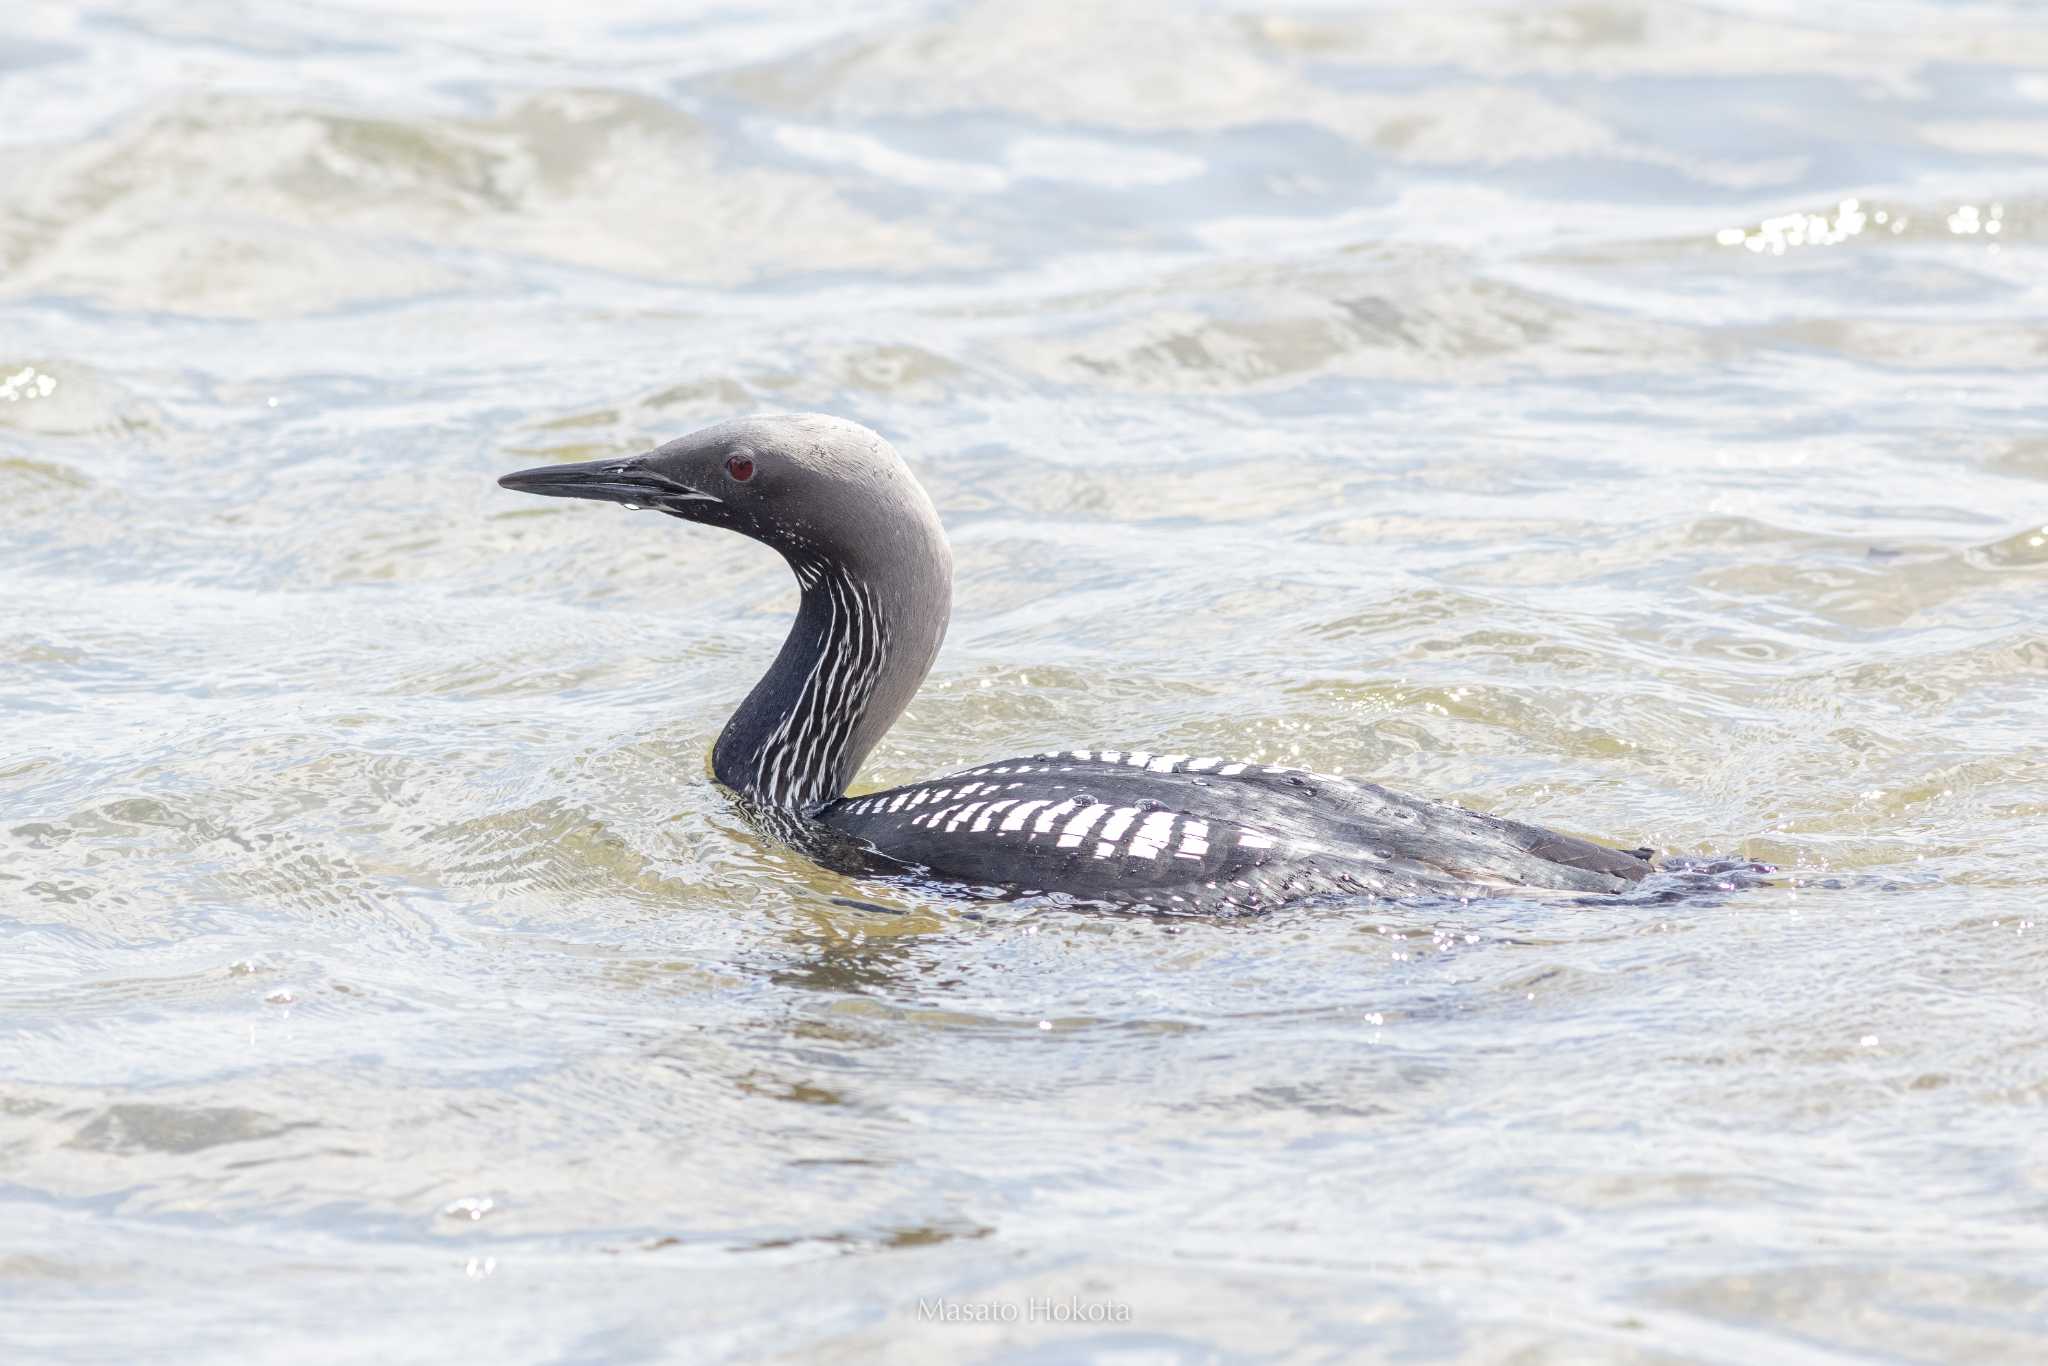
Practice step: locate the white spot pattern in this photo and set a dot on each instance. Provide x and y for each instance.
(988, 813)
(1164, 763)
(1049, 808)
(1113, 829)
(1153, 834)
(1078, 828)
(1015, 820)
(1050, 816)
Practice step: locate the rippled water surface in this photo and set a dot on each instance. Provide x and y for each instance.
(1632, 417)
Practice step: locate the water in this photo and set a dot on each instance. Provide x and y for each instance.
(1629, 417)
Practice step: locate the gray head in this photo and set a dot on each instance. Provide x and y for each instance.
(866, 545)
(808, 484)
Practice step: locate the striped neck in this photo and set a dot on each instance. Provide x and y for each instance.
(837, 685)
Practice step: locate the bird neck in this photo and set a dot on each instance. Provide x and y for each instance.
(854, 658)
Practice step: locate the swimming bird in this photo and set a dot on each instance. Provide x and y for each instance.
(1136, 828)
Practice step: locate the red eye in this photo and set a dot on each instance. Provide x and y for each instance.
(739, 467)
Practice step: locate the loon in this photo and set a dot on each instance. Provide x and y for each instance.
(1171, 833)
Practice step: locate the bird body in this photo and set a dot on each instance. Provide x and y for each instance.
(1208, 835)
(1172, 832)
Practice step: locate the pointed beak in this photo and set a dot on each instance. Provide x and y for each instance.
(611, 481)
